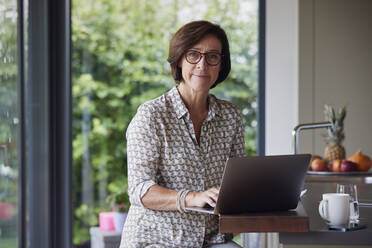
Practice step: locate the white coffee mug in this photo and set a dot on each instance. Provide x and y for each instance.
(335, 208)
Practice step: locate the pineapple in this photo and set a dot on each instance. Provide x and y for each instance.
(335, 134)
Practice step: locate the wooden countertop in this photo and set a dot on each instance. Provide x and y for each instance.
(285, 221)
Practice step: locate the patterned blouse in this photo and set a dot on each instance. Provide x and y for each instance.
(162, 149)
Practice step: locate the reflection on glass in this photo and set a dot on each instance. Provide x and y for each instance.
(120, 49)
(8, 124)
(352, 191)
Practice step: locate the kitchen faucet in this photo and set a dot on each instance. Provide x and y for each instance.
(301, 127)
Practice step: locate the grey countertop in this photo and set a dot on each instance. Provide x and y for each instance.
(319, 232)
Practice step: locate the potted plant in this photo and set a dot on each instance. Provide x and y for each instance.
(119, 203)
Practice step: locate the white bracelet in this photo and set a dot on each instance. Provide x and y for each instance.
(178, 200)
(183, 200)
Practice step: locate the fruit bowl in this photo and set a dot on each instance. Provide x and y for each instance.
(356, 165)
(330, 173)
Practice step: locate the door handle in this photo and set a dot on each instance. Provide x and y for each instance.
(5, 148)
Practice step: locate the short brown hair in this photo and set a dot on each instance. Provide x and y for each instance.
(189, 35)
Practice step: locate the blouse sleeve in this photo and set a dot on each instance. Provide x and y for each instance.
(143, 151)
(238, 147)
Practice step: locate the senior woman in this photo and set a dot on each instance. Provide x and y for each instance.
(178, 144)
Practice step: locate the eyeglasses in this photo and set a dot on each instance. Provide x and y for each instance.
(212, 58)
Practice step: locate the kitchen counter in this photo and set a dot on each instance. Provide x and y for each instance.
(319, 232)
(280, 221)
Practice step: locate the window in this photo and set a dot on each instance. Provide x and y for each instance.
(119, 61)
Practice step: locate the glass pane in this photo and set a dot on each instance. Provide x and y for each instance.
(120, 50)
(9, 139)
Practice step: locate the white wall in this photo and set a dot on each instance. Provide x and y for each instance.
(335, 47)
(317, 52)
(281, 74)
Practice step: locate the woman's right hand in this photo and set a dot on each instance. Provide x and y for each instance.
(199, 199)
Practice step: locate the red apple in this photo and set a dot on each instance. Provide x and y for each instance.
(336, 165)
(347, 166)
(314, 157)
(319, 165)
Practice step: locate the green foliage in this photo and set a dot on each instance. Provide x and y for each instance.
(9, 242)
(119, 201)
(119, 56)
(8, 70)
(8, 119)
(89, 216)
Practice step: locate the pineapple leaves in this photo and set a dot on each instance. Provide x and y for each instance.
(335, 134)
(342, 113)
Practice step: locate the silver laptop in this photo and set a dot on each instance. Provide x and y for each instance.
(260, 184)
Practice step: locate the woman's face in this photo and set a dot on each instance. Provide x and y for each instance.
(201, 76)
